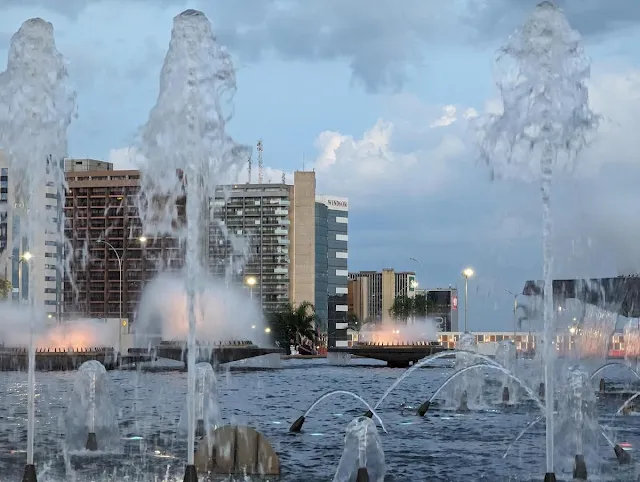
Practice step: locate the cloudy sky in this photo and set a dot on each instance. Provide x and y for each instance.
(376, 96)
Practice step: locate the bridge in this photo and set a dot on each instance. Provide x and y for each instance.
(215, 353)
(63, 359)
(397, 355)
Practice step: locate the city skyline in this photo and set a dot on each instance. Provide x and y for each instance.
(414, 186)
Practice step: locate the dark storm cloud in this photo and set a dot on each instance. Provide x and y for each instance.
(381, 42)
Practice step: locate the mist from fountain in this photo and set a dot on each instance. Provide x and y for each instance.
(36, 108)
(184, 154)
(390, 332)
(362, 450)
(91, 421)
(632, 343)
(592, 336)
(543, 126)
(468, 386)
(222, 313)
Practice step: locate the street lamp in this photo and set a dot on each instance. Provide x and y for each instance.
(515, 309)
(467, 273)
(143, 240)
(251, 281)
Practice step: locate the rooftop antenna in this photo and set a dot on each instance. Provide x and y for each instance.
(260, 149)
(249, 168)
(283, 178)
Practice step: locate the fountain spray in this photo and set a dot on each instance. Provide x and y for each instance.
(543, 126)
(36, 108)
(185, 152)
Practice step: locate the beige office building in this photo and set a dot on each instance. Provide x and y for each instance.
(382, 287)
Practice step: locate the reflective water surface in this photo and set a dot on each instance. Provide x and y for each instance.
(442, 446)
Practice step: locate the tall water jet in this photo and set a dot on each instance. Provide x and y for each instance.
(506, 356)
(207, 411)
(468, 389)
(591, 339)
(543, 126)
(36, 108)
(91, 419)
(185, 153)
(578, 427)
(363, 457)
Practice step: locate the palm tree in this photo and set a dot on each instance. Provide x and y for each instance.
(293, 323)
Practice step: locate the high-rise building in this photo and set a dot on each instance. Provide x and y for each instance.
(263, 235)
(80, 165)
(331, 275)
(357, 298)
(110, 259)
(382, 289)
(36, 277)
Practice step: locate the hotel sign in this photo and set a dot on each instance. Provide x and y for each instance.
(335, 203)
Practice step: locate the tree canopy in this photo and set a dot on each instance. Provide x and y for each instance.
(405, 307)
(290, 324)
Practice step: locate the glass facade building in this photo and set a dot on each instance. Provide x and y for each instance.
(331, 267)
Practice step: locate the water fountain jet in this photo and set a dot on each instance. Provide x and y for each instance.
(543, 125)
(36, 108)
(362, 458)
(185, 153)
(296, 426)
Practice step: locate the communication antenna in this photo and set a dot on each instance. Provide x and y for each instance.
(260, 149)
(249, 168)
(283, 179)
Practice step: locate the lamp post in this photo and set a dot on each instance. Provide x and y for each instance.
(143, 240)
(251, 281)
(515, 310)
(467, 273)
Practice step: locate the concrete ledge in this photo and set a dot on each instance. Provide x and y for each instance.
(396, 356)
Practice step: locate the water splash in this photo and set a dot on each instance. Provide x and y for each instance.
(351, 394)
(362, 449)
(91, 411)
(506, 355)
(543, 74)
(207, 410)
(185, 152)
(36, 108)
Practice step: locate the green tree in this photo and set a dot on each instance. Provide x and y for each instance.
(401, 308)
(292, 323)
(5, 288)
(353, 322)
(419, 308)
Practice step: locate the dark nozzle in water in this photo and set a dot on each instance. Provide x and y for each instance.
(363, 475)
(622, 455)
(29, 473)
(603, 385)
(464, 406)
(579, 468)
(92, 442)
(368, 414)
(297, 425)
(541, 391)
(505, 395)
(422, 409)
(550, 477)
(190, 474)
(201, 432)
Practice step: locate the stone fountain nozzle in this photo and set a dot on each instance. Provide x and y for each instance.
(368, 414)
(550, 477)
(362, 475)
(505, 395)
(422, 409)
(297, 425)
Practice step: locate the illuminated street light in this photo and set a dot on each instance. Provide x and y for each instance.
(251, 281)
(267, 330)
(26, 256)
(467, 273)
(572, 330)
(143, 239)
(414, 284)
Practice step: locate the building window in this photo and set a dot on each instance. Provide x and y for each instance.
(342, 237)
(341, 255)
(344, 308)
(342, 272)
(342, 220)
(341, 290)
